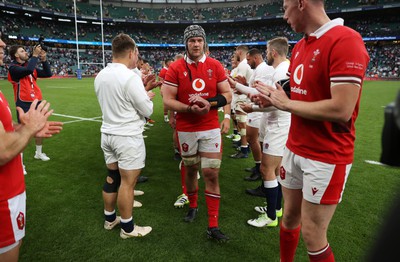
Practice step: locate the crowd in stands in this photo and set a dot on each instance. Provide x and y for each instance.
(13, 25)
(385, 60)
(371, 26)
(197, 12)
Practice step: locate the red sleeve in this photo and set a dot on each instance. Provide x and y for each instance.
(163, 72)
(349, 58)
(171, 76)
(221, 75)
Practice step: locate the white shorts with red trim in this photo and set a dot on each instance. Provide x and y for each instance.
(321, 183)
(208, 141)
(12, 221)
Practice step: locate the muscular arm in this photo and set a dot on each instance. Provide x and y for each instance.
(12, 143)
(226, 122)
(169, 99)
(225, 90)
(339, 108)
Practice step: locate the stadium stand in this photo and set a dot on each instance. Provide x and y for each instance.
(229, 23)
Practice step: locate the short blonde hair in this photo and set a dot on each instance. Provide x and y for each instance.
(280, 45)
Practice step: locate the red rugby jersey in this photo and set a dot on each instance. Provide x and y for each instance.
(192, 79)
(12, 181)
(335, 53)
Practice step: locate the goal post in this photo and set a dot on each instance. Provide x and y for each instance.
(79, 69)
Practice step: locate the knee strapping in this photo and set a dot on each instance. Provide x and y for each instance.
(112, 187)
(241, 118)
(210, 162)
(191, 161)
(242, 132)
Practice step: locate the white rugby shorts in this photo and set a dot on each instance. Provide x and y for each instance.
(254, 119)
(128, 151)
(208, 141)
(275, 137)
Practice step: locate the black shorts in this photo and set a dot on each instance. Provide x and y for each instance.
(25, 107)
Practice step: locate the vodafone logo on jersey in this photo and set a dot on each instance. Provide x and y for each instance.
(297, 78)
(298, 74)
(198, 85)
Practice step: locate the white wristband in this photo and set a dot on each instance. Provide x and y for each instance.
(227, 116)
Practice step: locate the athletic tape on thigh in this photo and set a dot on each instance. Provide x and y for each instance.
(190, 161)
(210, 162)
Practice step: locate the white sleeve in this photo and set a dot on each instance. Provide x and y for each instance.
(245, 89)
(138, 96)
(256, 108)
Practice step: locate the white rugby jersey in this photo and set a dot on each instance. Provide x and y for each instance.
(123, 100)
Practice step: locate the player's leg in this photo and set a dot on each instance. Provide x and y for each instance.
(252, 133)
(319, 205)
(211, 154)
(125, 197)
(315, 222)
(291, 180)
(289, 234)
(188, 143)
(241, 118)
(10, 253)
(182, 199)
(39, 150)
(191, 169)
(111, 185)
(38, 141)
(110, 189)
(269, 164)
(131, 154)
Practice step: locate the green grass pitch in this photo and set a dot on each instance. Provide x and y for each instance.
(65, 208)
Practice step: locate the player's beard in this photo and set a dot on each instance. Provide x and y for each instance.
(25, 58)
(270, 60)
(194, 55)
(253, 65)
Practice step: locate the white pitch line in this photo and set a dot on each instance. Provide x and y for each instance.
(372, 162)
(61, 87)
(73, 121)
(79, 119)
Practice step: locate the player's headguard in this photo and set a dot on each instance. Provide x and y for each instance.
(193, 31)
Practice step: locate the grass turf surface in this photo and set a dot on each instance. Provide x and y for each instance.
(65, 208)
